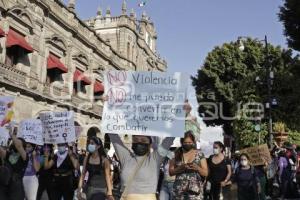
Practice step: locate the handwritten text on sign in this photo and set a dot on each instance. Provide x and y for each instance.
(144, 103)
(58, 127)
(32, 131)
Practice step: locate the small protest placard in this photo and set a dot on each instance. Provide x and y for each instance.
(4, 136)
(32, 131)
(58, 127)
(6, 110)
(258, 155)
(144, 103)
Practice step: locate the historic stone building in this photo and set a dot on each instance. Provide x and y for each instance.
(50, 60)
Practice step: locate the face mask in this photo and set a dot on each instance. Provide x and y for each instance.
(140, 149)
(216, 151)
(188, 147)
(244, 163)
(92, 148)
(61, 149)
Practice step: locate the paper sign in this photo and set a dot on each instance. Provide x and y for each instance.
(6, 110)
(4, 136)
(144, 103)
(32, 131)
(258, 155)
(58, 127)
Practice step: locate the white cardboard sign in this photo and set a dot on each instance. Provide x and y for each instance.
(58, 127)
(144, 103)
(32, 131)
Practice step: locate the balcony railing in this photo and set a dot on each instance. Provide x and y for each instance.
(13, 75)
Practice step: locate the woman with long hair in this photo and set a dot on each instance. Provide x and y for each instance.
(247, 180)
(99, 184)
(189, 166)
(219, 170)
(63, 165)
(16, 159)
(30, 179)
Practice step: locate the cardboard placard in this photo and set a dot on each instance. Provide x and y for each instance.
(58, 127)
(258, 155)
(32, 131)
(144, 103)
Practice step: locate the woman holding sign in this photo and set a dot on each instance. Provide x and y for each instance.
(63, 165)
(30, 179)
(99, 185)
(15, 161)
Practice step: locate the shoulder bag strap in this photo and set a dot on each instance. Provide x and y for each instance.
(133, 175)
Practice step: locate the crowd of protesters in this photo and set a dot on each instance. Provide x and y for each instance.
(150, 170)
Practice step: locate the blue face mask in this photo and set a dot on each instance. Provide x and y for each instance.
(91, 148)
(61, 149)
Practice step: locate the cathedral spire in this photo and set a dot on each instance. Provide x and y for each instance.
(99, 11)
(108, 13)
(124, 7)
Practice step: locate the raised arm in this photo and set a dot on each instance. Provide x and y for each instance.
(165, 146)
(17, 143)
(36, 161)
(121, 150)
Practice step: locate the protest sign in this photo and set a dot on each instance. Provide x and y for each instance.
(6, 110)
(144, 103)
(258, 155)
(32, 131)
(58, 127)
(4, 136)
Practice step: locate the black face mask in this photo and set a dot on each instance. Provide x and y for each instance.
(140, 149)
(188, 147)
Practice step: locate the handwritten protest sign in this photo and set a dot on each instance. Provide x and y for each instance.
(258, 155)
(32, 131)
(144, 103)
(58, 127)
(6, 110)
(4, 136)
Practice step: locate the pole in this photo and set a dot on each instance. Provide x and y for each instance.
(269, 88)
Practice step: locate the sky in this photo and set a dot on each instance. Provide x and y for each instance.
(189, 29)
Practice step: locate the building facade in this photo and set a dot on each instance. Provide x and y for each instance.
(50, 60)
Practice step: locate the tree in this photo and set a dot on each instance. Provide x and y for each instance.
(289, 15)
(227, 82)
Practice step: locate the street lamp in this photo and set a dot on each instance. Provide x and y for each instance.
(270, 77)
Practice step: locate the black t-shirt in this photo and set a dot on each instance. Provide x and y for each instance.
(218, 172)
(65, 167)
(16, 163)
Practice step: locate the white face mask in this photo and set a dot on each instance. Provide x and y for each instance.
(244, 163)
(216, 151)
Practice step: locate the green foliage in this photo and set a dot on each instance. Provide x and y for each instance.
(294, 137)
(246, 135)
(290, 16)
(228, 79)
